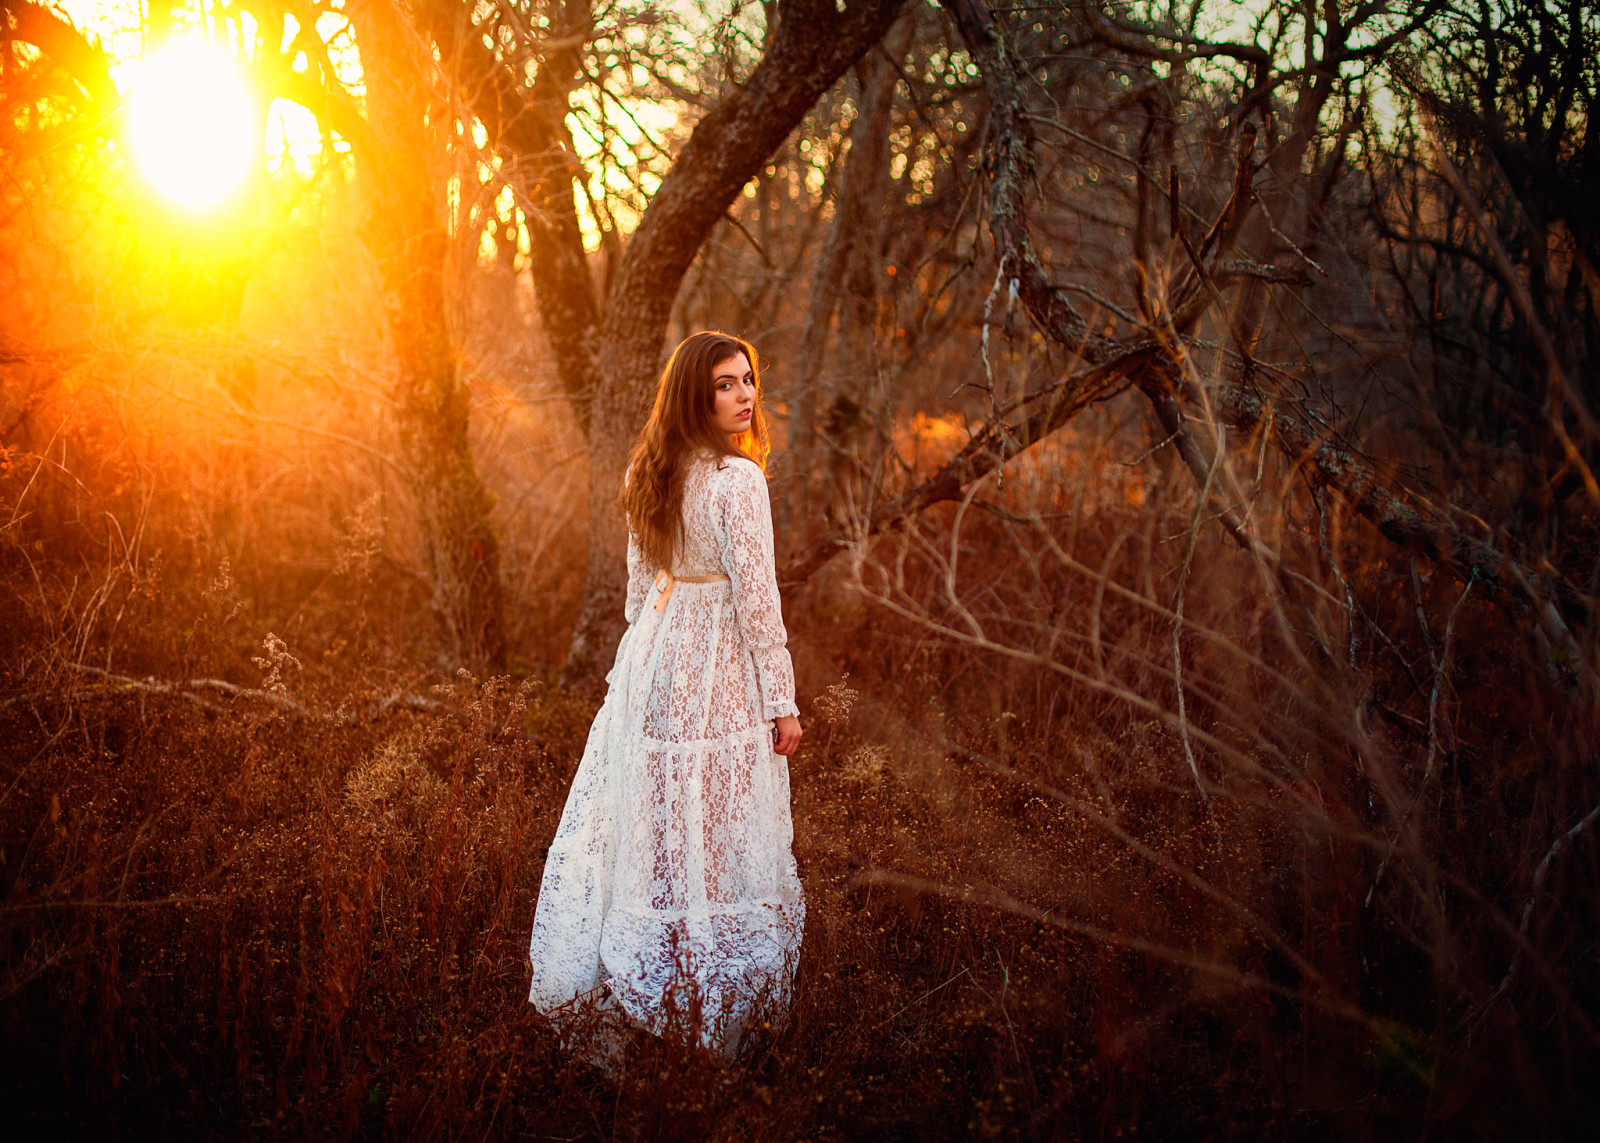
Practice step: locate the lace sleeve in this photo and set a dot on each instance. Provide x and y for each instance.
(744, 536)
(639, 579)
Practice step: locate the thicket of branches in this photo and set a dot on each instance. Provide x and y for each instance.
(1186, 454)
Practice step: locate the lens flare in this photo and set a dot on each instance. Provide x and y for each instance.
(193, 124)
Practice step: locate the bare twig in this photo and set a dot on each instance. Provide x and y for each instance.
(125, 684)
(1177, 610)
(1561, 392)
(1562, 842)
(1441, 669)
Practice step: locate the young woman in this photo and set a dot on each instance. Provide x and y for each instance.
(670, 891)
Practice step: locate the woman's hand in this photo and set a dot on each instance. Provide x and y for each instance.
(788, 735)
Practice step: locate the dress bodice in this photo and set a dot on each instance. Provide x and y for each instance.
(699, 553)
(727, 530)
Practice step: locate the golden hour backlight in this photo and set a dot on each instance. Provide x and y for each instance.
(1152, 684)
(193, 124)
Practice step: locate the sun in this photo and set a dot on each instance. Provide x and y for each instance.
(194, 124)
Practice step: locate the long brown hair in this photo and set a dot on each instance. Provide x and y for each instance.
(681, 425)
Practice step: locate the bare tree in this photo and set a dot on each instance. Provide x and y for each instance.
(71, 72)
(807, 46)
(397, 142)
(1218, 274)
(847, 276)
(1485, 214)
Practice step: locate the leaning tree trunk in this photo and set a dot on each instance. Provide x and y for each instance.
(407, 238)
(814, 43)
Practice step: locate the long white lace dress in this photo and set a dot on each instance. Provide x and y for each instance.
(670, 889)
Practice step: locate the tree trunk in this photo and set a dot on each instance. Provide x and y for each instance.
(846, 275)
(814, 43)
(407, 238)
(528, 126)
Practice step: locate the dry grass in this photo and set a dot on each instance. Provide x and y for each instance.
(296, 908)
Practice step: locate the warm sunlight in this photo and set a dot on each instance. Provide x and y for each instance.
(1153, 688)
(193, 123)
(294, 140)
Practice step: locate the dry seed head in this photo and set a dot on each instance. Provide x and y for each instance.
(145, 577)
(836, 701)
(222, 595)
(276, 662)
(361, 542)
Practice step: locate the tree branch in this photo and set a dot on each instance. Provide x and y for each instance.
(1305, 441)
(527, 126)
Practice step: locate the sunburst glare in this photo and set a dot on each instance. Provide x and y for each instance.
(193, 124)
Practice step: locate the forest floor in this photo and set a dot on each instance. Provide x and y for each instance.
(233, 915)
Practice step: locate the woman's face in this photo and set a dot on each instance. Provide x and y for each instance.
(734, 387)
